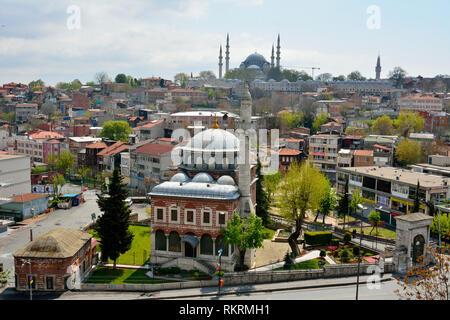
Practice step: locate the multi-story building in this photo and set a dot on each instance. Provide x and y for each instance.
(435, 122)
(345, 158)
(194, 96)
(420, 103)
(150, 164)
(383, 147)
(15, 176)
(323, 153)
(30, 147)
(24, 111)
(78, 143)
(392, 190)
(109, 157)
(151, 130)
(362, 158)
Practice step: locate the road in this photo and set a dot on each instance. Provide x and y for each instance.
(74, 218)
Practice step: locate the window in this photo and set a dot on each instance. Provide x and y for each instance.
(206, 245)
(220, 244)
(174, 242)
(174, 214)
(160, 241)
(160, 214)
(206, 217)
(49, 282)
(222, 218)
(189, 216)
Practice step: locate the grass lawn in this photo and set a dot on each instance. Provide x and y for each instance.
(140, 247)
(305, 265)
(122, 276)
(268, 233)
(384, 233)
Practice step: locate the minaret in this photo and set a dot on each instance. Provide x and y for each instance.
(245, 201)
(378, 69)
(227, 55)
(272, 58)
(278, 51)
(220, 62)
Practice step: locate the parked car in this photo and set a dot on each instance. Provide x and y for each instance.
(129, 202)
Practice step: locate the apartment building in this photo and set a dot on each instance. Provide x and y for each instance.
(15, 178)
(420, 103)
(392, 190)
(323, 153)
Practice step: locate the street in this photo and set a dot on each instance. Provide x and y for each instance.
(74, 218)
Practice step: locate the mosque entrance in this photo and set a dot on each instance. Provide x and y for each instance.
(189, 251)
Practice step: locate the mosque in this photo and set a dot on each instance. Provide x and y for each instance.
(215, 179)
(254, 61)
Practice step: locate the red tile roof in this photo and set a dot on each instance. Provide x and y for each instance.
(113, 149)
(155, 149)
(151, 124)
(28, 197)
(46, 135)
(381, 147)
(364, 153)
(289, 152)
(97, 145)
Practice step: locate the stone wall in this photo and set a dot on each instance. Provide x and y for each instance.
(241, 278)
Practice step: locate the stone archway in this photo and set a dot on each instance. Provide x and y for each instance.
(418, 247)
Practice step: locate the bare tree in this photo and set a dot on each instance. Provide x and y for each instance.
(101, 77)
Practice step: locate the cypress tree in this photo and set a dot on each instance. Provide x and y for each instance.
(344, 202)
(262, 202)
(113, 226)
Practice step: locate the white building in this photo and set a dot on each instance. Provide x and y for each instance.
(420, 103)
(15, 175)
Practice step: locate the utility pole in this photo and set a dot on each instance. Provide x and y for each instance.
(30, 279)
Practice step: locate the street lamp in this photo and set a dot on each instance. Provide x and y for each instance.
(359, 251)
(30, 279)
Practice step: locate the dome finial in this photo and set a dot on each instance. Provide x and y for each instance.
(215, 125)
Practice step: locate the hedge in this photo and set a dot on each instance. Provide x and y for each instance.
(318, 238)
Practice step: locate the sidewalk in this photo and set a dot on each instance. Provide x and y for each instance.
(268, 287)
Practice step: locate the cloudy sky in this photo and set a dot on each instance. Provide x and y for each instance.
(48, 39)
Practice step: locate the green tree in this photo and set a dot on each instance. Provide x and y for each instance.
(262, 203)
(58, 182)
(271, 182)
(383, 125)
(274, 73)
(356, 76)
(320, 120)
(9, 117)
(36, 83)
(356, 200)
(408, 122)
(444, 222)
(374, 219)
(408, 152)
(244, 234)
(328, 203)
(242, 74)
(65, 162)
(84, 173)
(292, 120)
(181, 79)
(397, 76)
(300, 191)
(344, 202)
(116, 130)
(353, 131)
(339, 78)
(206, 74)
(113, 225)
(121, 78)
(52, 160)
(90, 83)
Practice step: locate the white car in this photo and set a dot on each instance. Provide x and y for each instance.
(129, 202)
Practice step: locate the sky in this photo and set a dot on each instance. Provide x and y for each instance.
(63, 40)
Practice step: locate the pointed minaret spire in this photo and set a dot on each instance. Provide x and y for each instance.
(227, 55)
(220, 62)
(272, 58)
(378, 68)
(278, 51)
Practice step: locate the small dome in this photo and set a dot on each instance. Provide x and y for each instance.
(180, 177)
(253, 67)
(213, 140)
(285, 80)
(272, 80)
(226, 180)
(202, 177)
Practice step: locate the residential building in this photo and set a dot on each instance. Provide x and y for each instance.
(191, 95)
(420, 103)
(24, 111)
(345, 158)
(91, 152)
(59, 260)
(421, 137)
(435, 122)
(323, 153)
(287, 157)
(150, 164)
(14, 175)
(332, 126)
(362, 158)
(78, 143)
(109, 157)
(151, 130)
(392, 190)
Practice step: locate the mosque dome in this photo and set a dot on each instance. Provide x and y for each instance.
(213, 140)
(203, 177)
(226, 180)
(255, 60)
(180, 177)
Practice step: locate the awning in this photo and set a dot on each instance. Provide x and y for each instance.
(193, 241)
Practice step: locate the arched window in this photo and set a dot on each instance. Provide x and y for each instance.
(220, 244)
(160, 241)
(174, 242)
(206, 245)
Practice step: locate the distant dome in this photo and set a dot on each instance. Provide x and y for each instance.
(203, 177)
(254, 60)
(272, 80)
(180, 177)
(253, 67)
(226, 180)
(285, 80)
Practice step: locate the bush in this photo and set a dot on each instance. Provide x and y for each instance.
(356, 251)
(318, 238)
(238, 268)
(345, 255)
(323, 253)
(347, 237)
(368, 254)
(334, 242)
(288, 261)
